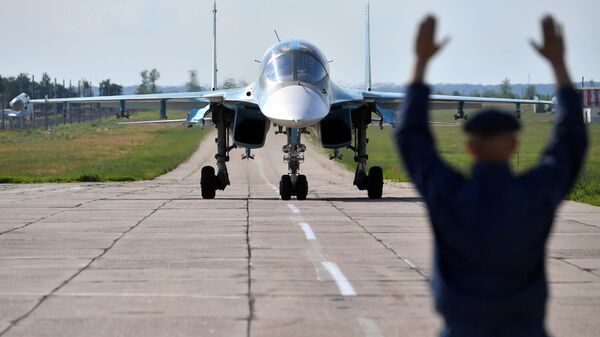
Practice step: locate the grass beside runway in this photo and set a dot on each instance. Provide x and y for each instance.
(97, 151)
(451, 144)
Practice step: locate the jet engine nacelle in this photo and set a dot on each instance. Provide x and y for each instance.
(335, 130)
(250, 128)
(20, 102)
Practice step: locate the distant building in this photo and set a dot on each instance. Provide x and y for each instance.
(591, 104)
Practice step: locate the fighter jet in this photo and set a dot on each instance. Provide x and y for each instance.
(294, 92)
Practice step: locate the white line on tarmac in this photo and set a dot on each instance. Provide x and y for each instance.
(308, 232)
(294, 209)
(369, 327)
(408, 262)
(345, 287)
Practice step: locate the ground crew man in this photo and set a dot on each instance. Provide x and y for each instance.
(491, 228)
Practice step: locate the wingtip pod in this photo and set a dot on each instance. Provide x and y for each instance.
(198, 115)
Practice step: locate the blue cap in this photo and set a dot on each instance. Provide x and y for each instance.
(490, 122)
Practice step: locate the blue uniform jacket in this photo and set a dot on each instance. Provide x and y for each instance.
(491, 228)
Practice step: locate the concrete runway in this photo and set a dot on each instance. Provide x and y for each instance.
(154, 259)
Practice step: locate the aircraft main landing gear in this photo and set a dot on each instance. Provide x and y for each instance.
(373, 182)
(209, 182)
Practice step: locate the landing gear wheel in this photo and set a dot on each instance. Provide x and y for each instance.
(285, 187)
(208, 182)
(301, 187)
(375, 188)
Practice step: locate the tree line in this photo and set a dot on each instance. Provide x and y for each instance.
(150, 77)
(12, 86)
(505, 91)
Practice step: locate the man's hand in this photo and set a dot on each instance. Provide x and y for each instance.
(426, 47)
(553, 49)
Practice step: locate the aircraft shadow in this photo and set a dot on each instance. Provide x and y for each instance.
(339, 199)
(365, 199)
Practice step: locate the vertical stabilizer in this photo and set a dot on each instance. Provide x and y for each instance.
(214, 58)
(368, 51)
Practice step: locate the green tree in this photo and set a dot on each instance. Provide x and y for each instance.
(2, 86)
(110, 89)
(475, 94)
(153, 77)
(489, 93)
(229, 84)
(456, 93)
(149, 79)
(505, 89)
(45, 86)
(144, 88)
(193, 85)
(116, 89)
(530, 92)
(87, 88)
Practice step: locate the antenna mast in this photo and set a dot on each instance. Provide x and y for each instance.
(214, 72)
(368, 52)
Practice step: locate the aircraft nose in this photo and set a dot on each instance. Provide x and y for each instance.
(295, 106)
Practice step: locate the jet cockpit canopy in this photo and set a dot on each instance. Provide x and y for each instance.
(293, 61)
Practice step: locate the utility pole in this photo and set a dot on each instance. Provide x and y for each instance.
(46, 112)
(3, 110)
(214, 73)
(368, 79)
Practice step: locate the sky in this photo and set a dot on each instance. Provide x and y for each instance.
(116, 39)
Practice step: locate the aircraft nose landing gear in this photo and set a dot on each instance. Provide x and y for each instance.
(289, 188)
(293, 184)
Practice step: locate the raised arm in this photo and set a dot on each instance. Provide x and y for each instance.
(414, 139)
(562, 158)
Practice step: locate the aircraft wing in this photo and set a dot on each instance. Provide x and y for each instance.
(198, 103)
(385, 104)
(217, 96)
(12, 113)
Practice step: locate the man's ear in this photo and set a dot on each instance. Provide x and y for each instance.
(471, 147)
(515, 144)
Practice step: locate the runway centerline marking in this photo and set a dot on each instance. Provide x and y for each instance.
(293, 208)
(308, 232)
(345, 287)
